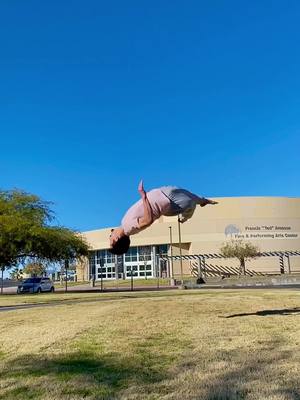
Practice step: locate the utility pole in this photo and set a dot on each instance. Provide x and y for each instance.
(180, 250)
(66, 274)
(171, 263)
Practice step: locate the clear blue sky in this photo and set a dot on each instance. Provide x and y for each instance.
(95, 95)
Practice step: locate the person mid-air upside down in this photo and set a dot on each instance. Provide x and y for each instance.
(166, 200)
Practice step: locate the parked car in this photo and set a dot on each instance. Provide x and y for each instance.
(36, 285)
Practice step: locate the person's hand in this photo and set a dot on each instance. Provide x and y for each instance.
(141, 189)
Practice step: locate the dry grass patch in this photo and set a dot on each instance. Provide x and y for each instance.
(178, 345)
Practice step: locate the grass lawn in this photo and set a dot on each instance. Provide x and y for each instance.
(136, 282)
(174, 345)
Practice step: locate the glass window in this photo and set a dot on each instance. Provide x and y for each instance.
(131, 255)
(32, 280)
(100, 256)
(92, 263)
(144, 253)
(92, 257)
(110, 258)
(162, 249)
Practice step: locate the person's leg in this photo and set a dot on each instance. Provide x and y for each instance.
(202, 201)
(181, 200)
(184, 202)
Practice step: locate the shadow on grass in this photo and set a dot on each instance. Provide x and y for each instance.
(262, 313)
(254, 379)
(78, 375)
(253, 375)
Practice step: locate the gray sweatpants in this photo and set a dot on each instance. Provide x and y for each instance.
(183, 202)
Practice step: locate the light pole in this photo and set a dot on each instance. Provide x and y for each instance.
(143, 254)
(171, 248)
(158, 270)
(180, 250)
(101, 269)
(131, 278)
(2, 274)
(116, 272)
(66, 274)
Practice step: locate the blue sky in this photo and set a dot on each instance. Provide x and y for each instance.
(96, 95)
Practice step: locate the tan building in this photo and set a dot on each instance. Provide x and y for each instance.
(272, 223)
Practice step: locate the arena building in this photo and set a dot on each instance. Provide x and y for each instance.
(271, 223)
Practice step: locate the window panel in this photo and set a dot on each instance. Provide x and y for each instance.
(110, 258)
(145, 253)
(162, 249)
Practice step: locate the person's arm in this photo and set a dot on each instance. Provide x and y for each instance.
(147, 219)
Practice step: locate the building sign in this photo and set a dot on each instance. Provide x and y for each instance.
(257, 232)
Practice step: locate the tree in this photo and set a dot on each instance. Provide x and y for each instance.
(16, 273)
(26, 232)
(240, 250)
(34, 269)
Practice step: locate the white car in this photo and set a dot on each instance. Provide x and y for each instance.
(36, 285)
